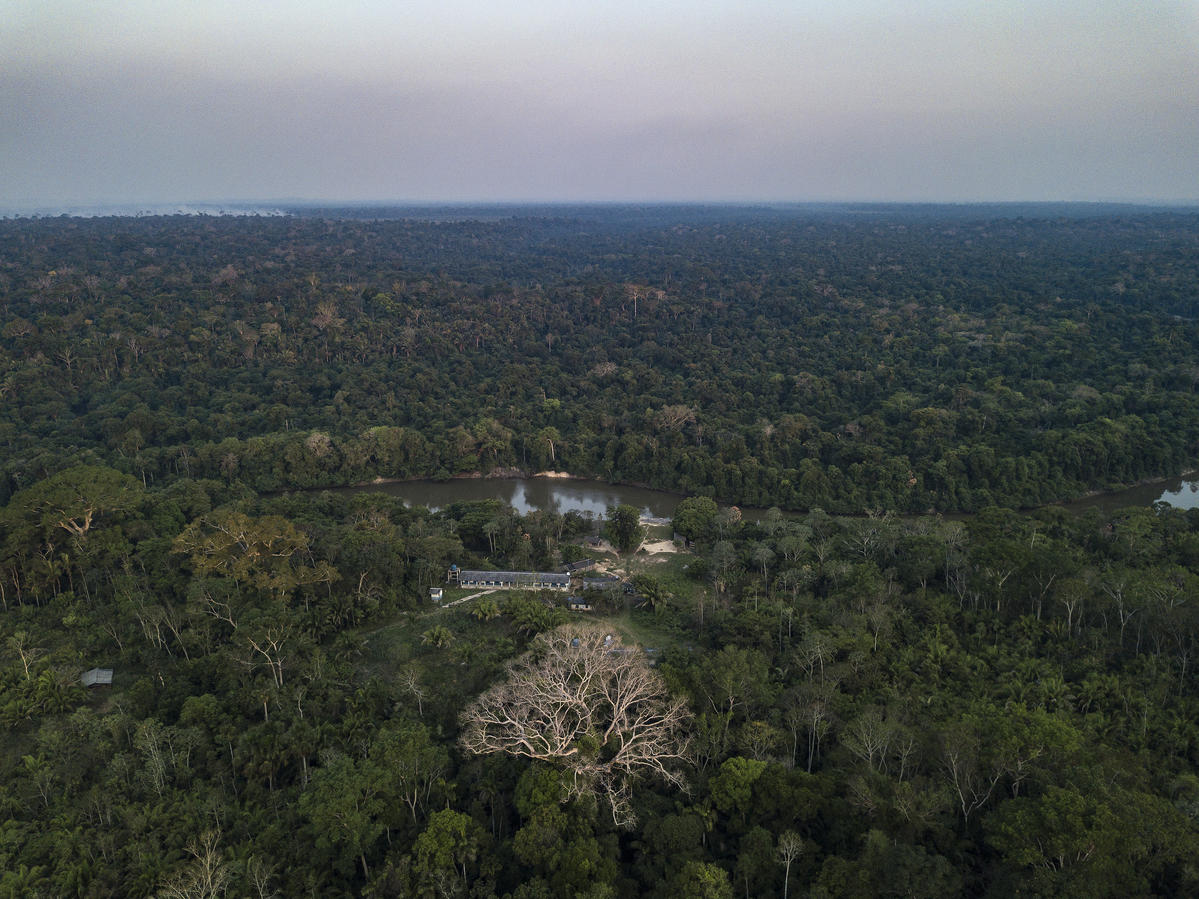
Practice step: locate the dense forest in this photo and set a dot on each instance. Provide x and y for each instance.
(847, 360)
(850, 695)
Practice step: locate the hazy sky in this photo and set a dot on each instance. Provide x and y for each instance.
(172, 100)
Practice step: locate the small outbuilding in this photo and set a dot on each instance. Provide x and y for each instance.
(436, 593)
(96, 677)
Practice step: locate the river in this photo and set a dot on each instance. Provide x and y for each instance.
(1181, 493)
(595, 497)
(528, 494)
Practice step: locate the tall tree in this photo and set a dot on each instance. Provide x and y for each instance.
(582, 700)
(623, 527)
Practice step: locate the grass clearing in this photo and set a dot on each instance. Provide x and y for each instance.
(670, 569)
(643, 629)
(390, 647)
(393, 646)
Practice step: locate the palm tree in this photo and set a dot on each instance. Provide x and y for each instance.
(651, 591)
(486, 609)
(439, 636)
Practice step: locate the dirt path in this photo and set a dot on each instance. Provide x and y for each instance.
(458, 602)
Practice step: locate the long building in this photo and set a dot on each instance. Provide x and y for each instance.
(514, 580)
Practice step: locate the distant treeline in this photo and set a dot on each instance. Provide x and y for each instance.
(853, 358)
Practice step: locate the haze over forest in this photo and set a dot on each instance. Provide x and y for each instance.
(148, 103)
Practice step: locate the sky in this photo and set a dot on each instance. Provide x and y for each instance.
(146, 101)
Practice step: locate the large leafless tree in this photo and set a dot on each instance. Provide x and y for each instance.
(582, 700)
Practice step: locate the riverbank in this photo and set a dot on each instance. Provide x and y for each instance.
(564, 492)
(493, 474)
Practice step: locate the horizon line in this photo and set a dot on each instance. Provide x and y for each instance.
(277, 206)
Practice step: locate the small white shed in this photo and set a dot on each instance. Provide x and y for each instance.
(97, 676)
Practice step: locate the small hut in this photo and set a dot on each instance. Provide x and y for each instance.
(96, 677)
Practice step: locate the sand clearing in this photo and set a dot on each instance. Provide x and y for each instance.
(662, 546)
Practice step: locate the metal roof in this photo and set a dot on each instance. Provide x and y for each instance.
(514, 576)
(601, 583)
(97, 676)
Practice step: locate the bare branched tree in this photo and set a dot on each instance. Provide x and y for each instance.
(583, 701)
(789, 849)
(206, 876)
